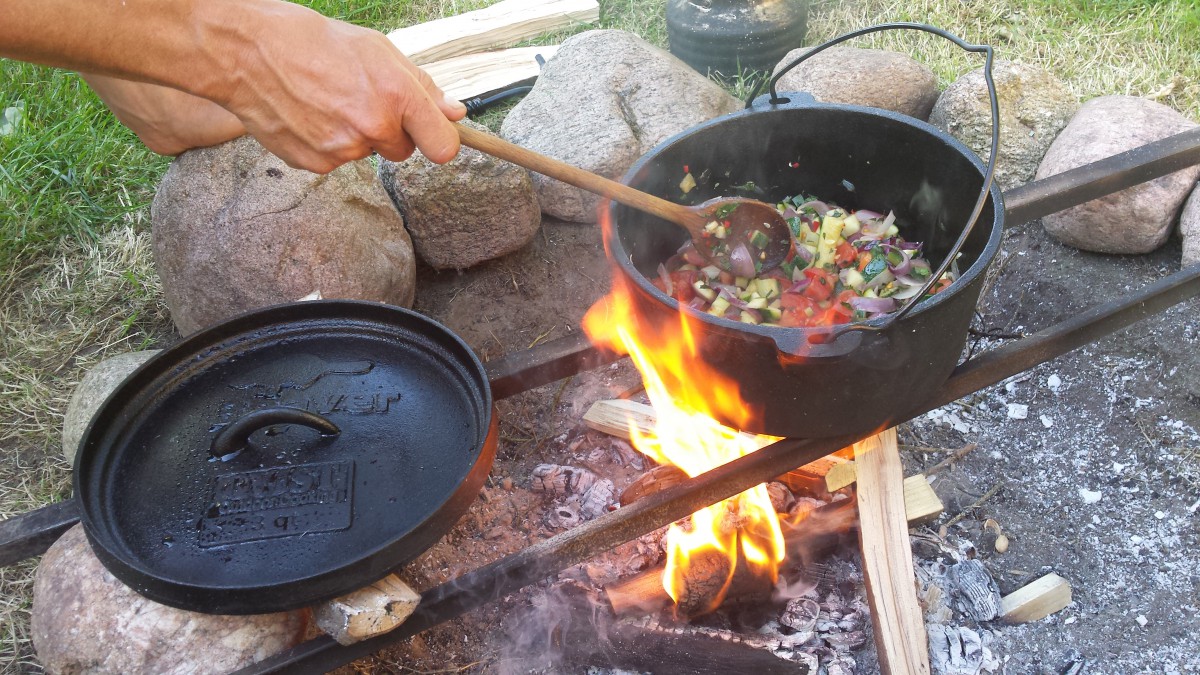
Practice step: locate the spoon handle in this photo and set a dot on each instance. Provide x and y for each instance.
(498, 147)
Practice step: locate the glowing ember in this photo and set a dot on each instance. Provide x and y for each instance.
(687, 435)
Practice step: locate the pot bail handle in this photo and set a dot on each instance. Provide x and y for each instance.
(986, 50)
(235, 437)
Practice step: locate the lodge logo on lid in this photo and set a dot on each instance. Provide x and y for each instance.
(278, 502)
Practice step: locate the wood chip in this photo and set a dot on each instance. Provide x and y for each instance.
(1036, 600)
(367, 612)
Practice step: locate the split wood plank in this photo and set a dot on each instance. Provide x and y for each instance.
(462, 77)
(500, 25)
(614, 417)
(1036, 600)
(897, 621)
(367, 612)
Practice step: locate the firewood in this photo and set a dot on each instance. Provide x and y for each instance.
(367, 612)
(462, 77)
(1036, 600)
(887, 558)
(500, 25)
(614, 417)
(643, 593)
(655, 480)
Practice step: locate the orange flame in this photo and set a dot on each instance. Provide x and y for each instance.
(686, 395)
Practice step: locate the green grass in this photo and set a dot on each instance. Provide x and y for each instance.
(69, 169)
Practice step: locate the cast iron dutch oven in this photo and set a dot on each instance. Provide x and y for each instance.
(286, 456)
(815, 382)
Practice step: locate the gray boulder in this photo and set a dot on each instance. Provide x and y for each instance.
(867, 77)
(605, 99)
(471, 209)
(1189, 227)
(1134, 220)
(1034, 107)
(234, 228)
(84, 621)
(95, 387)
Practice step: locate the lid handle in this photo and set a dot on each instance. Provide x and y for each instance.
(235, 437)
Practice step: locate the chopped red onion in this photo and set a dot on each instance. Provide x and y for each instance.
(882, 305)
(666, 279)
(865, 215)
(741, 262)
(820, 207)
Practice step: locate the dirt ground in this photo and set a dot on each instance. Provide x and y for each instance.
(1100, 481)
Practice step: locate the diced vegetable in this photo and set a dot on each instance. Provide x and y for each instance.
(844, 266)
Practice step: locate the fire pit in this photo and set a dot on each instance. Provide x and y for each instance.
(29, 534)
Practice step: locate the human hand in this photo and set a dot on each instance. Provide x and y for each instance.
(167, 120)
(318, 92)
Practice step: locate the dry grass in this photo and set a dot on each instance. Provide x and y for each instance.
(62, 312)
(57, 319)
(1137, 48)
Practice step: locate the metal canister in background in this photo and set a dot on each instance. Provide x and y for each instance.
(728, 36)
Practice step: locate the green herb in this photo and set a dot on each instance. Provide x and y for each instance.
(724, 210)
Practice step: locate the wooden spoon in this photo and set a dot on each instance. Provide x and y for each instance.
(746, 236)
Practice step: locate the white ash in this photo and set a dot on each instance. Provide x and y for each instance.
(1076, 494)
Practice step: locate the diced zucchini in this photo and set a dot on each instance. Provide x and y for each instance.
(748, 317)
(759, 239)
(771, 313)
(768, 288)
(711, 226)
(852, 225)
(775, 304)
(756, 303)
(702, 289)
(831, 232)
(741, 282)
(892, 231)
(718, 307)
(720, 232)
(854, 278)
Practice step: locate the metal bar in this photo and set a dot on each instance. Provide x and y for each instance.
(521, 371)
(31, 533)
(545, 558)
(1103, 177)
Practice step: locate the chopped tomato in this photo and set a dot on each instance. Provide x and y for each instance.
(820, 283)
(841, 309)
(844, 254)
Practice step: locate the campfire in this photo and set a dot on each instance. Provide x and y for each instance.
(737, 532)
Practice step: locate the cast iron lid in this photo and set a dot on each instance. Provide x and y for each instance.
(286, 456)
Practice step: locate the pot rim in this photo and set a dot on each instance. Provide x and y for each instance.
(805, 335)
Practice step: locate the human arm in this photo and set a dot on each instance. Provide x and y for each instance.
(314, 91)
(168, 121)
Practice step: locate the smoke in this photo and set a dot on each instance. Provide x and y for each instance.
(563, 625)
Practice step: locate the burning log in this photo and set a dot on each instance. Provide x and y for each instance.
(567, 632)
(655, 480)
(816, 533)
(643, 593)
